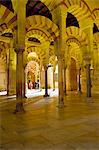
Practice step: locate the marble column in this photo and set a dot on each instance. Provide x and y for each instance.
(8, 73)
(11, 70)
(24, 83)
(95, 71)
(79, 83)
(60, 82)
(19, 49)
(46, 82)
(88, 80)
(53, 79)
(64, 80)
(19, 81)
(61, 43)
(40, 79)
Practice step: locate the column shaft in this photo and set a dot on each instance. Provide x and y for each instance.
(8, 64)
(53, 80)
(64, 80)
(19, 48)
(79, 83)
(46, 83)
(11, 71)
(19, 82)
(60, 82)
(88, 80)
(24, 83)
(19, 75)
(40, 79)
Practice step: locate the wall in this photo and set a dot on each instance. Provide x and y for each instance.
(3, 76)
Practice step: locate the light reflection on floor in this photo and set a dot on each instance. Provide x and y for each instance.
(3, 93)
(44, 126)
(30, 93)
(35, 93)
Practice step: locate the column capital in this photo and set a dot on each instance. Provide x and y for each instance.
(19, 50)
(41, 68)
(79, 70)
(54, 68)
(45, 67)
(87, 59)
(65, 66)
(61, 56)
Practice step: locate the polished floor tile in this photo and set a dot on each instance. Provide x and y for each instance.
(45, 126)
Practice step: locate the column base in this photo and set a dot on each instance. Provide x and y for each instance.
(65, 94)
(19, 108)
(46, 95)
(89, 96)
(61, 104)
(25, 96)
(79, 92)
(90, 100)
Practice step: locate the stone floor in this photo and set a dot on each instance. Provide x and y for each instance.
(45, 126)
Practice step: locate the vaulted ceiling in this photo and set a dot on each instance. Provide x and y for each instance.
(42, 24)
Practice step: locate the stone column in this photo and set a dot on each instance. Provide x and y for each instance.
(60, 82)
(79, 83)
(61, 43)
(8, 73)
(11, 70)
(95, 71)
(40, 82)
(64, 80)
(46, 82)
(19, 49)
(53, 79)
(88, 80)
(19, 81)
(24, 83)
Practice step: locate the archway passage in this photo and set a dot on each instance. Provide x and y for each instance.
(31, 80)
(73, 75)
(32, 75)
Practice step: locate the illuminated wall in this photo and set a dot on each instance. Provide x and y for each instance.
(3, 76)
